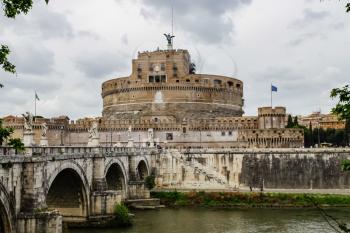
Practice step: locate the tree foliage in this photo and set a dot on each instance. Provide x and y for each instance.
(17, 144)
(122, 215)
(342, 109)
(290, 122)
(150, 182)
(5, 133)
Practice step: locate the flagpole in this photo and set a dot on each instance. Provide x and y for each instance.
(271, 94)
(34, 105)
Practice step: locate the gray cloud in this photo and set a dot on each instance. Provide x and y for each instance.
(204, 20)
(296, 90)
(32, 58)
(309, 17)
(101, 64)
(306, 26)
(40, 22)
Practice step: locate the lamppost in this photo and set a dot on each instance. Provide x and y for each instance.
(139, 141)
(318, 133)
(111, 134)
(61, 128)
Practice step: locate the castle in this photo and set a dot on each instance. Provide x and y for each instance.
(163, 102)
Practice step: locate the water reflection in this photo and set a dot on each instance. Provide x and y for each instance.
(227, 221)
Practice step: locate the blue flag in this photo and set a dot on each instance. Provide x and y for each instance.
(273, 88)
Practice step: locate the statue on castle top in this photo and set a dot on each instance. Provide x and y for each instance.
(43, 130)
(93, 131)
(28, 122)
(169, 38)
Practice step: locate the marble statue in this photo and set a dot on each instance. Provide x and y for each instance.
(28, 122)
(93, 131)
(43, 130)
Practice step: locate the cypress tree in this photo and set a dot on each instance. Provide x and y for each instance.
(290, 122)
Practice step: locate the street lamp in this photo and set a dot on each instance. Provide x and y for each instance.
(61, 128)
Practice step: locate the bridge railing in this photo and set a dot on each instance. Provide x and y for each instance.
(56, 150)
(264, 150)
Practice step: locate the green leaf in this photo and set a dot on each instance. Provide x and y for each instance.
(13, 8)
(4, 63)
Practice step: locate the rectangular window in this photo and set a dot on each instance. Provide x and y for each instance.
(230, 133)
(217, 82)
(163, 78)
(151, 79)
(157, 79)
(223, 133)
(162, 67)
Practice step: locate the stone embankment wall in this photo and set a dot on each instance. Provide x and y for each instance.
(268, 168)
(295, 170)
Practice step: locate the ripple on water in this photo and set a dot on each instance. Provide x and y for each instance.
(227, 221)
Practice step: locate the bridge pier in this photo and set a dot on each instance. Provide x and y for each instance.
(45, 222)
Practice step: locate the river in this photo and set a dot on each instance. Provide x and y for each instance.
(228, 221)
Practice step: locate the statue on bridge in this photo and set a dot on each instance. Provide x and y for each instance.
(28, 122)
(94, 139)
(43, 140)
(43, 130)
(28, 134)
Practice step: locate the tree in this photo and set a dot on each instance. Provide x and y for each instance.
(342, 108)
(290, 122)
(295, 122)
(17, 144)
(12, 8)
(4, 133)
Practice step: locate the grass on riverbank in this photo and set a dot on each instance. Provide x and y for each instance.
(252, 199)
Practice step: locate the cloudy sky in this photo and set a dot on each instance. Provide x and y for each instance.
(66, 49)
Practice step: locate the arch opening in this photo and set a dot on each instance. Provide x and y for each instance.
(142, 170)
(115, 178)
(67, 194)
(4, 220)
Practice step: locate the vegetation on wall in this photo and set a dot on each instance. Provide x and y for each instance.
(249, 199)
(150, 182)
(122, 215)
(5, 133)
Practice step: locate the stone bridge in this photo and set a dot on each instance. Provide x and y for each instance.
(79, 185)
(46, 186)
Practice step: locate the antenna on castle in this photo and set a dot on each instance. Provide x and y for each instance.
(172, 19)
(169, 37)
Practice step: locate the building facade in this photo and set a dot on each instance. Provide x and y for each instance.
(323, 121)
(163, 102)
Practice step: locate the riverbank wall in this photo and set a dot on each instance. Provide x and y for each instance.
(254, 168)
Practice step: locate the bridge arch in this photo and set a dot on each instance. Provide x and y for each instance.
(116, 176)
(68, 191)
(6, 211)
(142, 169)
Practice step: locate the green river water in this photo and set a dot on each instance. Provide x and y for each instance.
(228, 221)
